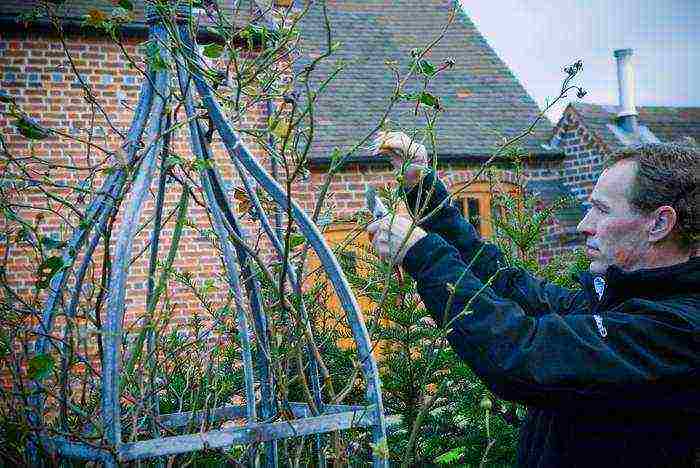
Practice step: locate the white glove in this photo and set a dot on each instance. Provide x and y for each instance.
(403, 151)
(387, 237)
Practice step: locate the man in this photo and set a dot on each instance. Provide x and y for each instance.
(611, 372)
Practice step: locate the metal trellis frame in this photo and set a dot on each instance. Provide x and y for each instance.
(149, 133)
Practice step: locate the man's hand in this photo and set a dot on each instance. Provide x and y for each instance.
(404, 153)
(387, 237)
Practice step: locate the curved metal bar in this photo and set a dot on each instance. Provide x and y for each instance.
(269, 400)
(152, 261)
(106, 194)
(112, 329)
(110, 187)
(75, 298)
(296, 285)
(328, 260)
(229, 259)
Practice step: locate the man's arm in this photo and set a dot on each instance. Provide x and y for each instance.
(553, 360)
(534, 295)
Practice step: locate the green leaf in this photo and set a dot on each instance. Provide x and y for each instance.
(200, 164)
(429, 100)
(40, 366)
(49, 269)
(450, 457)
(335, 156)
(380, 449)
(427, 68)
(174, 160)
(126, 4)
(30, 128)
(214, 31)
(295, 240)
(121, 15)
(213, 50)
(424, 97)
(281, 129)
(4, 345)
(208, 286)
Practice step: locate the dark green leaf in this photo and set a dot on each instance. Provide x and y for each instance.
(40, 366)
(213, 50)
(429, 100)
(200, 164)
(427, 68)
(424, 97)
(295, 240)
(30, 128)
(48, 270)
(126, 4)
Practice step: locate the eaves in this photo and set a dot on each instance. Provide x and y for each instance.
(383, 161)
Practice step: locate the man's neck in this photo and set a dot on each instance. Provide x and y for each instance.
(664, 256)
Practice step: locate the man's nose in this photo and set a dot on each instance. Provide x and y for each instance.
(586, 226)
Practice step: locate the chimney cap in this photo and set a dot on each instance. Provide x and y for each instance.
(622, 52)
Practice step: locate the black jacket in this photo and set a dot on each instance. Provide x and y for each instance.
(611, 373)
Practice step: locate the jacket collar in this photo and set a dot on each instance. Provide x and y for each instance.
(618, 285)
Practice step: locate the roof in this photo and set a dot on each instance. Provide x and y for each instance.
(482, 98)
(665, 123)
(74, 11)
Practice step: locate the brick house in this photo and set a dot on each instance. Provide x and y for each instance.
(482, 100)
(587, 133)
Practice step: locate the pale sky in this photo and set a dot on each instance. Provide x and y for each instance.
(536, 38)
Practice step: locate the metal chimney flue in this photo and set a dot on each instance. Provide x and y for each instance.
(627, 116)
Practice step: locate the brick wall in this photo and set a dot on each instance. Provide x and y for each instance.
(584, 154)
(35, 71)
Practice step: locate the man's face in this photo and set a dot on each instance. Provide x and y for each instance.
(616, 233)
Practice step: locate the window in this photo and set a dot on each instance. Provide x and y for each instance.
(476, 204)
(353, 243)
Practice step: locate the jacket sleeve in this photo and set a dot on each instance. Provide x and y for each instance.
(553, 360)
(534, 295)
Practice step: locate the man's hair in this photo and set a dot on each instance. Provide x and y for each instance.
(667, 175)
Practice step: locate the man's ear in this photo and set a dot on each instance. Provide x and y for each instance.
(664, 220)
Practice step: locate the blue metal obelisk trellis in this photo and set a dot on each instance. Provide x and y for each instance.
(150, 119)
